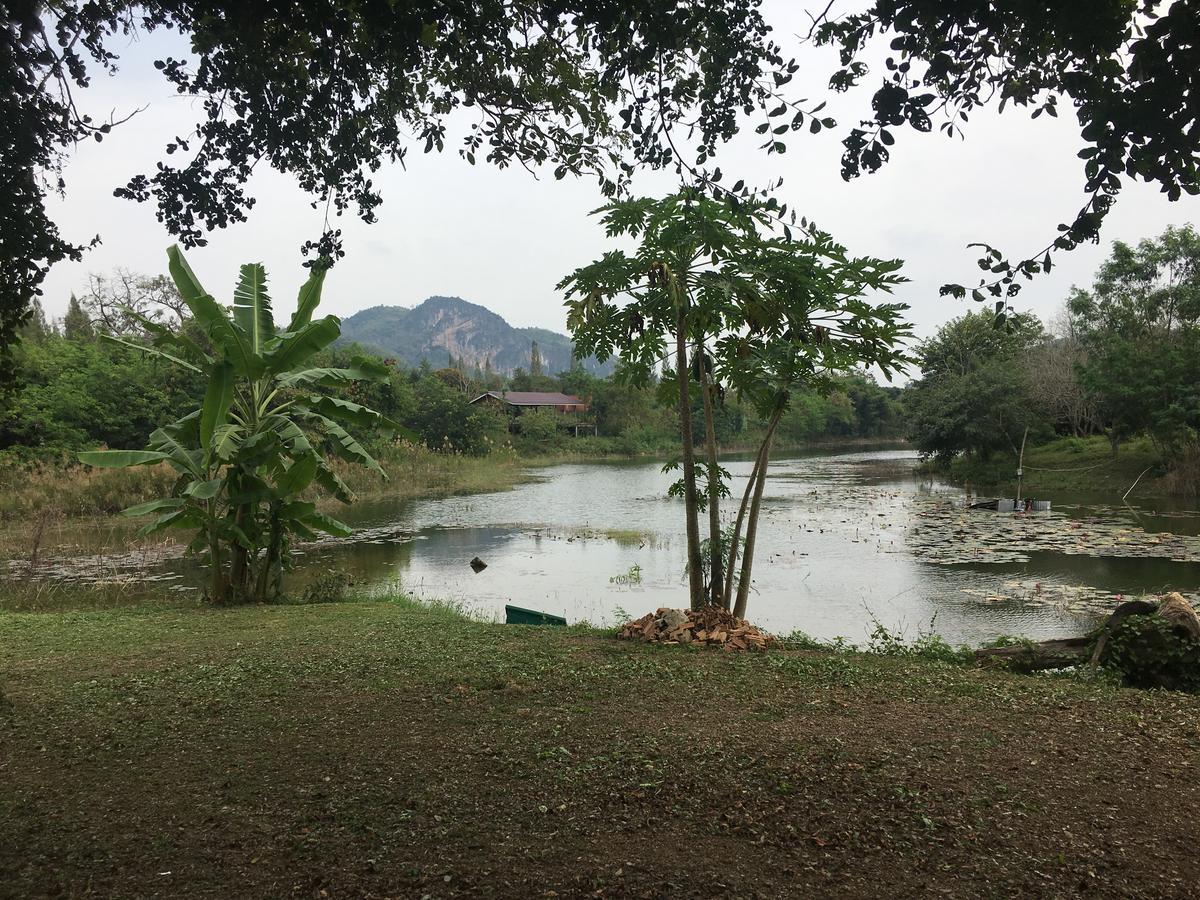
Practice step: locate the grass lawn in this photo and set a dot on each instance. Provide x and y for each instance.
(388, 750)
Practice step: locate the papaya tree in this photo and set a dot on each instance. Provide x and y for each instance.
(739, 300)
(247, 456)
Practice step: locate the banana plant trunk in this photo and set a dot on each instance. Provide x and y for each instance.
(218, 569)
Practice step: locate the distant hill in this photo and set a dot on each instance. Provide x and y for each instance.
(445, 326)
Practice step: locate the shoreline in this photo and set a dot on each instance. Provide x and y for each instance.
(1073, 465)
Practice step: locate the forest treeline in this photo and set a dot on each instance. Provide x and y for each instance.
(76, 390)
(1121, 360)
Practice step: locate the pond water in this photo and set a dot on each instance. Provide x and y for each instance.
(846, 539)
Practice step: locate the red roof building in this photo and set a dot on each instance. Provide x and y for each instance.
(519, 401)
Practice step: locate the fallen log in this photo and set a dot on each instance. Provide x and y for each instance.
(1061, 653)
(1035, 657)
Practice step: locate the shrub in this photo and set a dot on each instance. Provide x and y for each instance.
(928, 645)
(1149, 652)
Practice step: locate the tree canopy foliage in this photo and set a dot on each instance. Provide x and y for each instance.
(1140, 328)
(972, 397)
(1129, 68)
(328, 91)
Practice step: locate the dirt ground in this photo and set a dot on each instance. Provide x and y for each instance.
(384, 750)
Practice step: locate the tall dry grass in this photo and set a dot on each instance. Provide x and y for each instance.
(29, 493)
(1183, 475)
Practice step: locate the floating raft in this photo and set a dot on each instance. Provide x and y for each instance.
(1008, 505)
(516, 615)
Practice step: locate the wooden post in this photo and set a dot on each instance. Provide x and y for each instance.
(1021, 464)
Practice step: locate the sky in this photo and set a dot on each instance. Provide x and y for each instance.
(504, 239)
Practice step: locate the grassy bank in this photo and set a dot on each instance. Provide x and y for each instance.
(65, 490)
(1066, 464)
(384, 749)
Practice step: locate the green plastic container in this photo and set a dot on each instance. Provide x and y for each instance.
(515, 615)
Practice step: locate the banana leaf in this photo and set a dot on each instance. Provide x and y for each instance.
(120, 459)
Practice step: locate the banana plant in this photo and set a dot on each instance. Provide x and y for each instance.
(247, 456)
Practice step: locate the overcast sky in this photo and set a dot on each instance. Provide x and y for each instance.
(504, 239)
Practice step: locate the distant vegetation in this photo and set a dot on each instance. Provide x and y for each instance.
(1121, 364)
(76, 391)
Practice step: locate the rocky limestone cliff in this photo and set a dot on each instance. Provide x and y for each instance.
(445, 327)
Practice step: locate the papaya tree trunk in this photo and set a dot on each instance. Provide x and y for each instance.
(743, 592)
(736, 537)
(695, 574)
(715, 577)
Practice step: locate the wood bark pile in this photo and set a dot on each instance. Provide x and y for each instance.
(711, 625)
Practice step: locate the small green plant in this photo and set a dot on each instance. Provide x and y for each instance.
(800, 640)
(328, 587)
(928, 645)
(633, 576)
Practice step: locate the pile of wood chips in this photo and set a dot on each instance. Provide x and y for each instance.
(711, 625)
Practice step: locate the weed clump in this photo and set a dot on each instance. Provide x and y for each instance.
(329, 587)
(928, 645)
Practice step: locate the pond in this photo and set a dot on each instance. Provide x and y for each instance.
(848, 538)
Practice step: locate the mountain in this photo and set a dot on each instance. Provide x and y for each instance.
(442, 327)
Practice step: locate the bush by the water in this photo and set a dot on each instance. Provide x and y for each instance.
(1153, 652)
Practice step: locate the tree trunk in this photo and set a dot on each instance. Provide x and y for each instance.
(735, 538)
(743, 593)
(218, 576)
(1055, 654)
(716, 580)
(1122, 612)
(695, 573)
